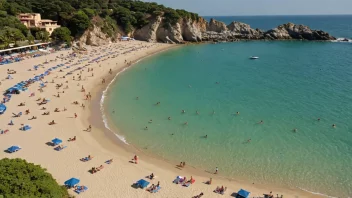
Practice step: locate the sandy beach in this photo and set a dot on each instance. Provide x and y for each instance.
(116, 178)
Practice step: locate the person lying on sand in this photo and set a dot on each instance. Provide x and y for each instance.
(39, 99)
(75, 102)
(72, 139)
(199, 196)
(52, 122)
(56, 110)
(27, 112)
(22, 104)
(43, 108)
(33, 118)
(46, 113)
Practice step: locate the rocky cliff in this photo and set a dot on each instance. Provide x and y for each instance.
(196, 31)
(159, 31)
(99, 33)
(188, 30)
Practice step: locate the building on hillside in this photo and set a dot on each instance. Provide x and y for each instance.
(32, 20)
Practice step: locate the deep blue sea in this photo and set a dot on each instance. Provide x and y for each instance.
(291, 86)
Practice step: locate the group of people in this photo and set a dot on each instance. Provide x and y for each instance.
(96, 169)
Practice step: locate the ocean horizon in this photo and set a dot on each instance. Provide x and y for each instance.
(287, 102)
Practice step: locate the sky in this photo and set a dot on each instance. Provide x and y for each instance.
(260, 7)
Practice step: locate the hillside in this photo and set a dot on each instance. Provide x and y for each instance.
(96, 22)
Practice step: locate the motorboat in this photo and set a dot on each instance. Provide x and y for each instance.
(254, 57)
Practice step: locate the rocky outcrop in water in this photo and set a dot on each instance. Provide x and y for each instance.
(299, 32)
(241, 31)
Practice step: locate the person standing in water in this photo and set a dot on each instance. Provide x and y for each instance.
(216, 170)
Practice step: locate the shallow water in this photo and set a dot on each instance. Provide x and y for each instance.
(290, 86)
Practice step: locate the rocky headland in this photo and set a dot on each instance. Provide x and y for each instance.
(188, 30)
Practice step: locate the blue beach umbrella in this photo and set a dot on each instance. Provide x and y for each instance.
(56, 141)
(71, 182)
(142, 183)
(243, 193)
(13, 149)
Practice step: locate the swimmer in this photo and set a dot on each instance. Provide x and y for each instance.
(169, 118)
(197, 112)
(295, 130)
(334, 125)
(186, 123)
(249, 140)
(157, 103)
(189, 86)
(150, 121)
(318, 119)
(183, 111)
(146, 128)
(261, 122)
(237, 113)
(206, 136)
(137, 98)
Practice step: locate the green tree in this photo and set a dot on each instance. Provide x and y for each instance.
(79, 23)
(18, 178)
(30, 38)
(62, 34)
(42, 35)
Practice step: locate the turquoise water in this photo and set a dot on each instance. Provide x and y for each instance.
(290, 86)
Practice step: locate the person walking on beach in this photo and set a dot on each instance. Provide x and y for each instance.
(75, 115)
(216, 170)
(135, 158)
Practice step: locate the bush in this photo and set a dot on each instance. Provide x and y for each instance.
(62, 34)
(18, 178)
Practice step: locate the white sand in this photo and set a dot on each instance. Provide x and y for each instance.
(114, 180)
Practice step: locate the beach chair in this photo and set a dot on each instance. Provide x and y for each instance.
(156, 190)
(80, 191)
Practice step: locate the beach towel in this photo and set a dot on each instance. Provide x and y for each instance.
(79, 191)
(156, 190)
(59, 149)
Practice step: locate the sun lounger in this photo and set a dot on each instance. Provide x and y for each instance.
(59, 148)
(156, 190)
(80, 191)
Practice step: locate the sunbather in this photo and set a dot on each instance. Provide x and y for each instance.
(199, 196)
(22, 104)
(52, 122)
(56, 110)
(27, 112)
(33, 118)
(46, 113)
(43, 108)
(72, 139)
(109, 161)
(151, 176)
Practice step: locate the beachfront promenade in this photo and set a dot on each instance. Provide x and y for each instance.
(65, 134)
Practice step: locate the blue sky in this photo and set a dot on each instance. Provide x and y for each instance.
(260, 7)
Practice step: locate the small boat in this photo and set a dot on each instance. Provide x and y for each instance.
(254, 57)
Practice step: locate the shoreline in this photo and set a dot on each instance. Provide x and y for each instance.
(130, 148)
(100, 142)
